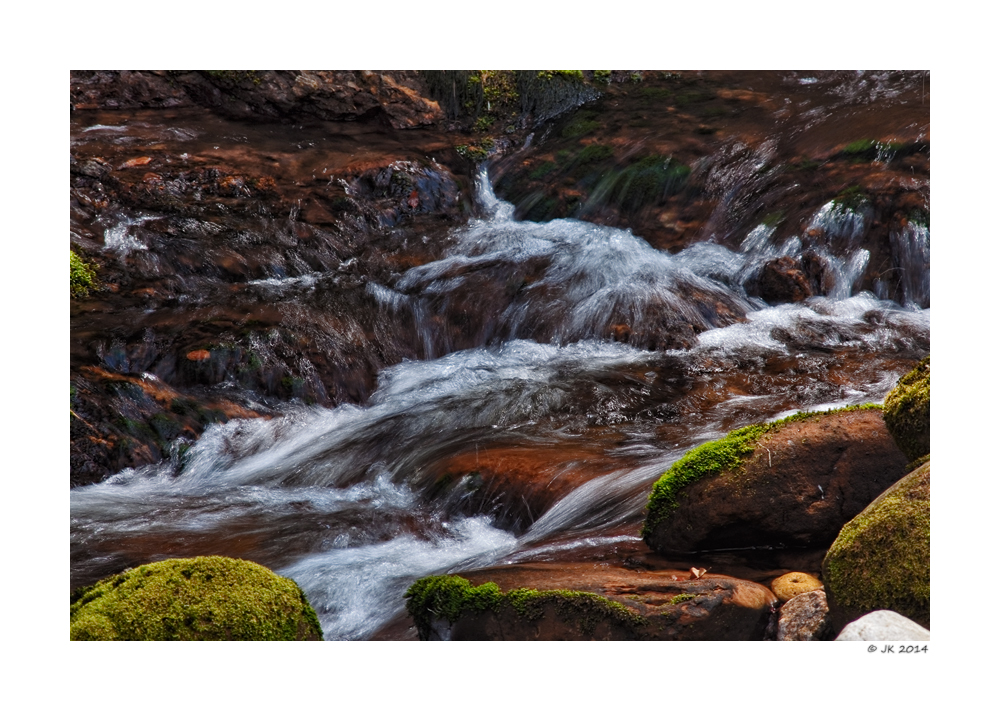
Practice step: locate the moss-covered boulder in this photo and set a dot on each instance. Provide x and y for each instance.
(908, 411)
(536, 602)
(882, 558)
(205, 598)
(790, 483)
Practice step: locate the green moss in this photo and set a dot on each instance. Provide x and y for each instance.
(602, 76)
(583, 122)
(861, 147)
(713, 458)
(881, 559)
(569, 74)
(483, 123)
(82, 275)
(476, 152)
(205, 598)
(541, 170)
(908, 411)
(450, 596)
(852, 198)
(594, 153)
(683, 597)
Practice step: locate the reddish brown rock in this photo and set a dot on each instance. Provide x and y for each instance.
(781, 281)
(517, 484)
(800, 485)
(649, 605)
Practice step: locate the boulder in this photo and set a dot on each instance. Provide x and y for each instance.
(205, 598)
(882, 558)
(908, 411)
(514, 484)
(804, 618)
(780, 281)
(789, 585)
(604, 602)
(791, 483)
(884, 626)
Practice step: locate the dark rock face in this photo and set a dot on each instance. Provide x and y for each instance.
(264, 95)
(792, 279)
(881, 559)
(804, 618)
(530, 602)
(800, 485)
(782, 281)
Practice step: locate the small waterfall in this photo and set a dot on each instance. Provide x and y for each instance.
(911, 255)
(519, 323)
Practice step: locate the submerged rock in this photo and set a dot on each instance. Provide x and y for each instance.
(908, 411)
(604, 603)
(205, 598)
(884, 626)
(882, 558)
(804, 618)
(792, 483)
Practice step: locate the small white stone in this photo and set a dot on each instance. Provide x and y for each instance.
(884, 626)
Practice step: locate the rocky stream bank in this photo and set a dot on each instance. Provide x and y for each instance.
(434, 324)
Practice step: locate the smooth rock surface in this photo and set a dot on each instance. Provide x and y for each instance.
(666, 604)
(800, 485)
(884, 626)
(791, 584)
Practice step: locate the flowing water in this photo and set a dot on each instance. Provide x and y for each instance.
(512, 323)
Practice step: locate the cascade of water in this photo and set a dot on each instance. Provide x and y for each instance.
(338, 499)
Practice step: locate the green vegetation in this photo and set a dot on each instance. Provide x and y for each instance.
(570, 74)
(683, 597)
(476, 152)
(450, 596)
(205, 598)
(645, 182)
(581, 124)
(594, 153)
(82, 275)
(602, 76)
(712, 458)
(907, 411)
(483, 123)
(852, 198)
(869, 149)
(881, 559)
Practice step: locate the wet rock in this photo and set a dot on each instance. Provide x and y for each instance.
(791, 584)
(884, 626)
(881, 559)
(781, 281)
(395, 97)
(583, 602)
(803, 618)
(792, 483)
(207, 598)
(908, 411)
(119, 420)
(515, 485)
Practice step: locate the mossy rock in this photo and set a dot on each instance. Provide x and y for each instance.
(790, 483)
(449, 597)
(205, 598)
(908, 411)
(528, 602)
(882, 558)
